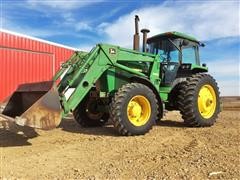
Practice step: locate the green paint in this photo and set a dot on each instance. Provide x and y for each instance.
(174, 34)
(164, 91)
(199, 68)
(108, 67)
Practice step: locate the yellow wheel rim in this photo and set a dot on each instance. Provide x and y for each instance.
(139, 110)
(207, 101)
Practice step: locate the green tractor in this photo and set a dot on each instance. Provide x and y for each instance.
(127, 87)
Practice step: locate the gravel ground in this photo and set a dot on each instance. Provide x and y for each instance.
(169, 151)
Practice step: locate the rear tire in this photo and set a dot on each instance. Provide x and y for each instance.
(134, 109)
(176, 97)
(87, 116)
(180, 95)
(200, 104)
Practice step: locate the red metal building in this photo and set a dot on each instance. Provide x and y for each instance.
(25, 59)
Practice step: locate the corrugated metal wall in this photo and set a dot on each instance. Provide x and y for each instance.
(24, 60)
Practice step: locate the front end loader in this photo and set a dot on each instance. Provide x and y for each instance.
(127, 87)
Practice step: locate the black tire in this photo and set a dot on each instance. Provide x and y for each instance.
(189, 105)
(175, 97)
(119, 109)
(87, 117)
(161, 111)
(180, 95)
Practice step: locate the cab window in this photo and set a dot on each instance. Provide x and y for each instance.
(167, 51)
(174, 55)
(189, 55)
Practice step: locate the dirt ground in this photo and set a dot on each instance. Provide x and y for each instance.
(169, 151)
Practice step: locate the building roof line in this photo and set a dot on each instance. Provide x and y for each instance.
(38, 39)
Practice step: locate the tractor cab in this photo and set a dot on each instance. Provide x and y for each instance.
(178, 54)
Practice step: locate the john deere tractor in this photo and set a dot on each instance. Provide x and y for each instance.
(127, 87)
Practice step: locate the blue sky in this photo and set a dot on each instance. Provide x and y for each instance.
(82, 24)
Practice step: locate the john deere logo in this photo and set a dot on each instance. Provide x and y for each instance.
(112, 51)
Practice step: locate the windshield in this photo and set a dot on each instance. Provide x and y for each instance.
(166, 50)
(169, 53)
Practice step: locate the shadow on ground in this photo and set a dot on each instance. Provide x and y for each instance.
(19, 136)
(172, 123)
(70, 125)
(16, 136)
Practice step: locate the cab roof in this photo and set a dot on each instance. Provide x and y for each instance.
(173, 34)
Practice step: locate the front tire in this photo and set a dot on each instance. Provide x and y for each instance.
(87, 115)
(134, 109)
(201, 104)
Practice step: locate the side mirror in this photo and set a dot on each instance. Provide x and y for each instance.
(204, 65)
(201, 44)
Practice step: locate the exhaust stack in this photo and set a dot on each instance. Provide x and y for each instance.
(144, 31)
(136, 35)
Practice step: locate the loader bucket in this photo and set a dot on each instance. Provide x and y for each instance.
(36, 105)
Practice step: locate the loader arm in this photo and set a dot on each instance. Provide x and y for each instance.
(83, 73)
(81, 76)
